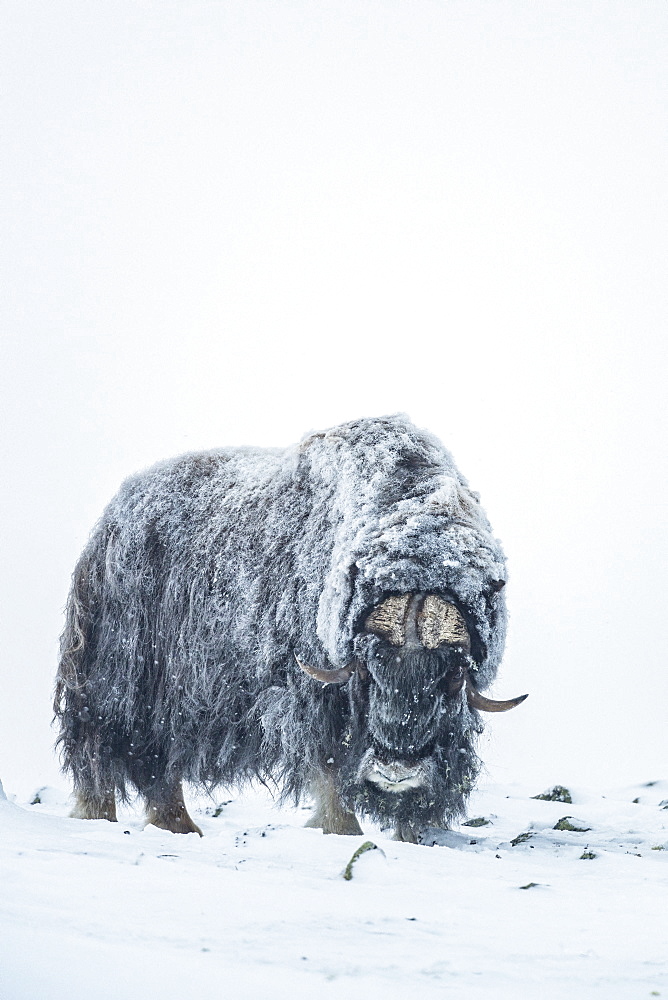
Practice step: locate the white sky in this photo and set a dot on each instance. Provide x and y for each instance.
(233, 222)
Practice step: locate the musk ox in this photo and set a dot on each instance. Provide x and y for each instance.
(323, 616)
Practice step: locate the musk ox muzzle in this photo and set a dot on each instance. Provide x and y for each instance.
(393, 776)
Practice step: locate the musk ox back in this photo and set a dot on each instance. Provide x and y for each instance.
(323, 616)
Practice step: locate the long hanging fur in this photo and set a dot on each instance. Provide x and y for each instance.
(207, 574)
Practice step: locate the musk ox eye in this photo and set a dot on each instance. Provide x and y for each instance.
(439, 622)
(388, 619)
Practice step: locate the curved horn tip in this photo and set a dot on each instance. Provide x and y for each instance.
(483, 704)
(337, 675)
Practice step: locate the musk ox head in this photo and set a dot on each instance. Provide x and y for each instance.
(410, 755)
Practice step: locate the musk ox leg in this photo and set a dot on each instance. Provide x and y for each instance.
(330, 813)
(91, 806)
(407, 833)
(166, 809)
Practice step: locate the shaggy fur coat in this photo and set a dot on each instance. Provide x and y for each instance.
(208, 573)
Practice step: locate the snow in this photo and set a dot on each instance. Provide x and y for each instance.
(259, 905)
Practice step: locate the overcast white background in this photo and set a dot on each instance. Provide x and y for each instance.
(230, 223)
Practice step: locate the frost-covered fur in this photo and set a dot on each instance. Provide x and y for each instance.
(207, 574)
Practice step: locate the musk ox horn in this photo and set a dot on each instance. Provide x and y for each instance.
(388, 619)
(333, 675)
(413, 619)
(440, 621)
(461, 677)
(477, 700)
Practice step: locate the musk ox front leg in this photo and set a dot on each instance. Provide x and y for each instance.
(166, 809)
(330, 813)
(408, 833)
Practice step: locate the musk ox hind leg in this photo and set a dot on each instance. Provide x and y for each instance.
(330, 813)
(166, 809)
(89, 805)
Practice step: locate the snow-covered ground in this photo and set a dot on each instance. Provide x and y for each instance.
(259, 906)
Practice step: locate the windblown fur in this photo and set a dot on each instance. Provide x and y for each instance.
(208, 573)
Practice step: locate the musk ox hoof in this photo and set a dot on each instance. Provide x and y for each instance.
(92, 807)
(330, 814)
(181, 823)
(407, 833)
(345, 824)
(430, 836)
(435, 836)
(166, 809)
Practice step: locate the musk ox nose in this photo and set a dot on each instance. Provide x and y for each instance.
(395, 776)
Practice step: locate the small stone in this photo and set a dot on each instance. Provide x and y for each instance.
(557, 794)
(566, 824)
(219, 808)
